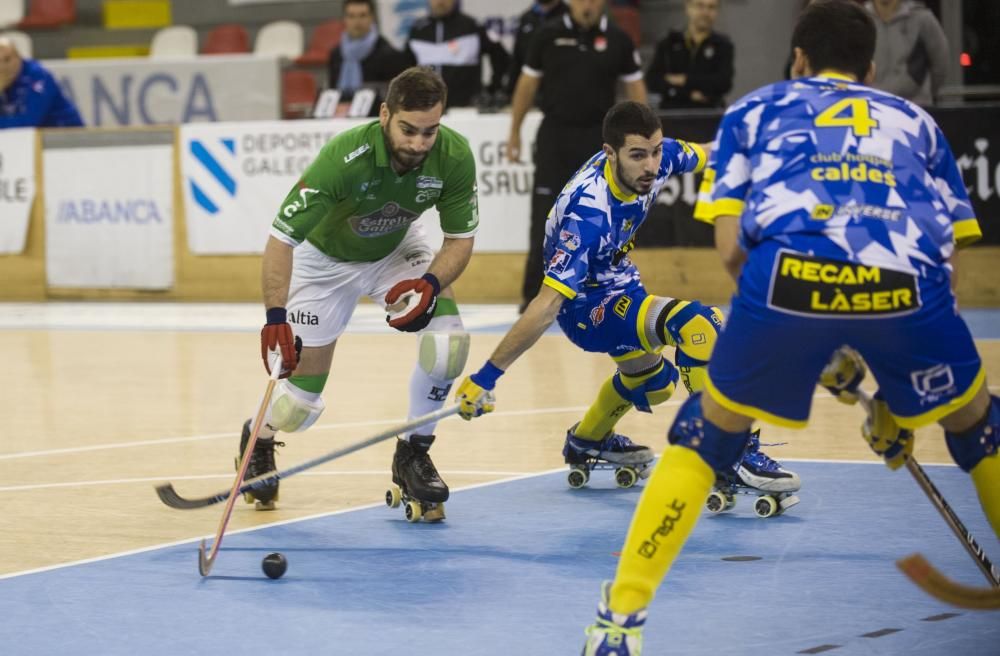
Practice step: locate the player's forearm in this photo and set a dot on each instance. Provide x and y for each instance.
(636, 91)
(276, 273)
(537, 318)
(727, 243)
(524, 95)
(451, 260)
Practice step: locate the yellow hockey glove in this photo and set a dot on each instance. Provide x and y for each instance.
(885, 436)
(473, 400)
(843, 375)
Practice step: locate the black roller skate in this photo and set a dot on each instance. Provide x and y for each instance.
(261, 462)
(416, 481)
(629, 460)
(756, 474)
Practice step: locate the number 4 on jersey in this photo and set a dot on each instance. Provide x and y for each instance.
(850, 113)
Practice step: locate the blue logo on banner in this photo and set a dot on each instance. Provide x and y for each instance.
(216, 170)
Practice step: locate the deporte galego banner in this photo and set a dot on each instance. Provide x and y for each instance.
(109, 220)
(140, 91)
(17, 187)
(236, 175)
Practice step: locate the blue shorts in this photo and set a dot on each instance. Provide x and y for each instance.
(792, 311)
(609, 324)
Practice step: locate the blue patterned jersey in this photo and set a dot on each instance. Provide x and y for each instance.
(837, 169)
(591, 228)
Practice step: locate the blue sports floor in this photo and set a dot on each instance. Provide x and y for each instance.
(516, 570)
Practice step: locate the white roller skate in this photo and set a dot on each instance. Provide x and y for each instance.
(613, 634)
(757, 475)
(630, 461)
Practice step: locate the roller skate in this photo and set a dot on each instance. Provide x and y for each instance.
(614, 634)
(629, 460)
(756, 474)
(261, 462)
(417, 484)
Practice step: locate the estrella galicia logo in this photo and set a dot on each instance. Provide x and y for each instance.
(213, 181)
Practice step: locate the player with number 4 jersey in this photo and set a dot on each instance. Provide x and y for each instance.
(347, 229)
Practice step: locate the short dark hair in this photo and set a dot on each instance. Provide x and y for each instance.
(836, 34)
(628, 117)
(416, 88)
(370, 3)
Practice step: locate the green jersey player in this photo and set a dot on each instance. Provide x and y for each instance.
(348, 229)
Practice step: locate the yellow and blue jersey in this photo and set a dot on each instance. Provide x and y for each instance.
(827, 166)
(592, 225)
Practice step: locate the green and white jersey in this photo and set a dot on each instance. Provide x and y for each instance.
(352, 206)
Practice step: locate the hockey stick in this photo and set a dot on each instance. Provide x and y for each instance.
(205, 562)
(922, 572)
(170, 497)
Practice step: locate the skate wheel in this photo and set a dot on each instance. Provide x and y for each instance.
(646, 471)
(393, 497)
(577, 477)
(717, 502)
(248, 498)
(265, 505)
(765, 506)
(626, 477)
(413, 511)
(730, 502)
(435, 513)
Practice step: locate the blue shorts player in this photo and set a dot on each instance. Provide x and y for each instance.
(837, 208)
(593, 289)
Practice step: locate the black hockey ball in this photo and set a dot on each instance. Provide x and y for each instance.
(274, 565)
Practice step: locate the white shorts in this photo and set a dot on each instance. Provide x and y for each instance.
(324, 291)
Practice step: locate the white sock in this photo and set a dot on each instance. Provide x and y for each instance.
(426, 395)
(429, 394)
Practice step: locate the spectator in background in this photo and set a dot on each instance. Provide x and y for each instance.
(363, 56)
(693, 68)
(454, 45)
(29, 95)
(576, 62)
(528, 23)
(909, 45)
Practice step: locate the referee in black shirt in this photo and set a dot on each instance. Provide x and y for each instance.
(576, 61)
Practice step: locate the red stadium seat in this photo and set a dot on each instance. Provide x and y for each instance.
(627, 18)
(325, 37)
(48, 14)
(226, 40)
(298, 93)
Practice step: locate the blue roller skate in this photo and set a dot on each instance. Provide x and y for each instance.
(756, 474)
(630, 461)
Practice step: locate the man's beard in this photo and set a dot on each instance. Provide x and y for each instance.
(620, 174)
(406, 161)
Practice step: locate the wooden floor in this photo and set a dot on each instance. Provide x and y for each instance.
(92, 419)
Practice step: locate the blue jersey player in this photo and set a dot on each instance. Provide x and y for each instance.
(593, 289)
(837, 208)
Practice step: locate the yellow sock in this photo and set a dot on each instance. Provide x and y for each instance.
(603, 413)
(986, 478)
(610, 406)
(667, 512)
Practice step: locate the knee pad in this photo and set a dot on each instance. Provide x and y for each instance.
(657, 387)
(291, 411)
(980, 441)
(690, 326)
(442, 355)
(721, 450)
